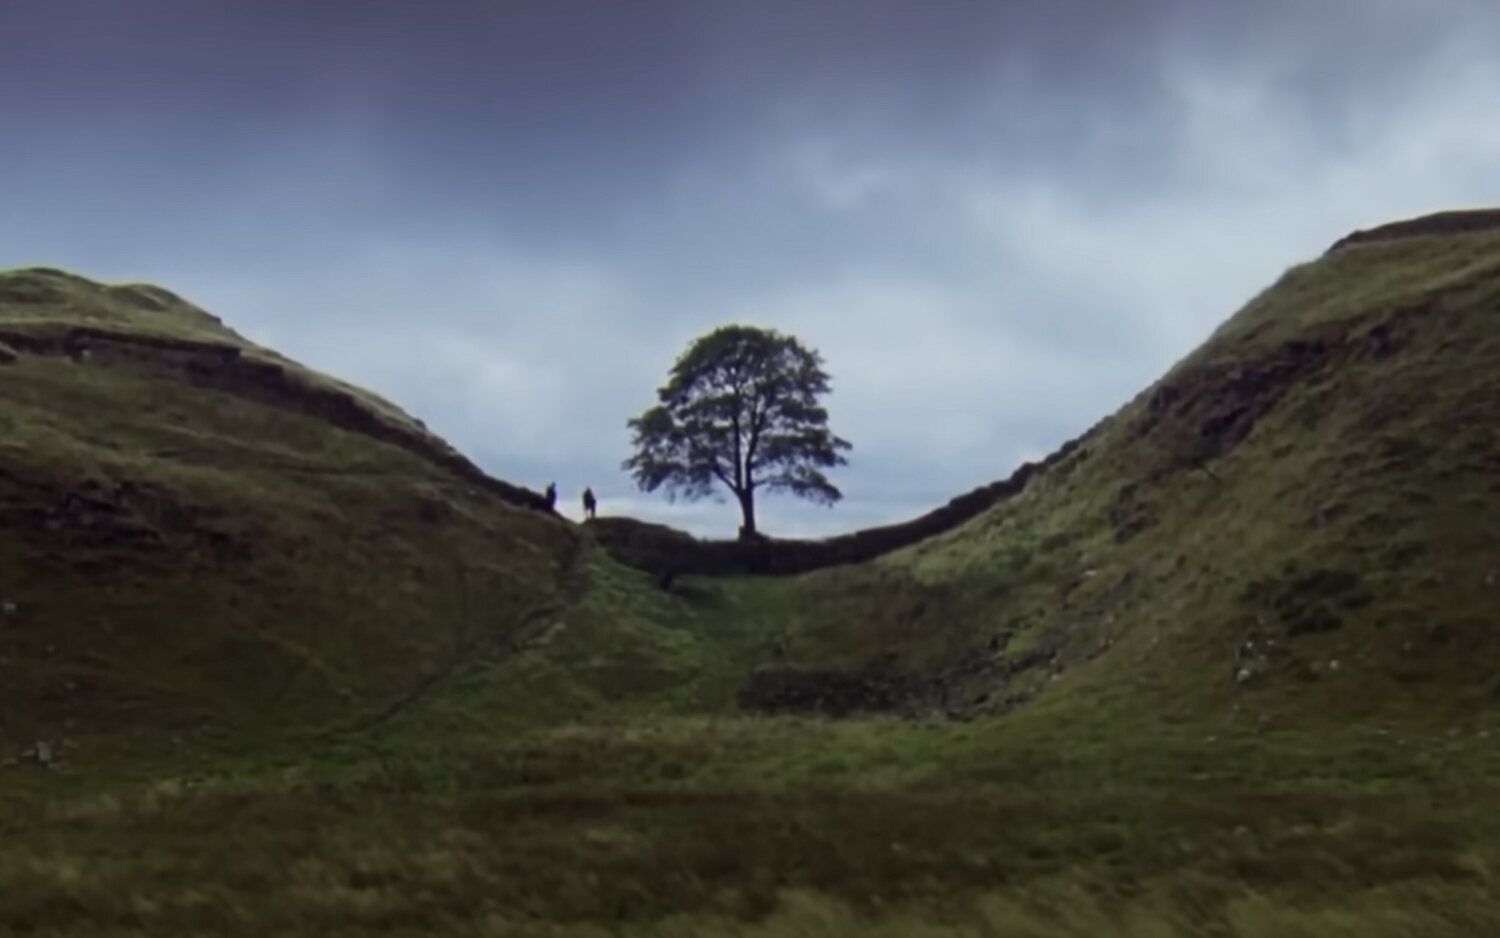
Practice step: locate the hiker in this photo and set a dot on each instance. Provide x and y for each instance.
(589, 503)
(551, 495)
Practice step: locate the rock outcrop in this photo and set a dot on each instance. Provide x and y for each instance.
(1439, 223)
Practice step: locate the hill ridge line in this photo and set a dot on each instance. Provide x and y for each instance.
(668, 553)
(226, 367)
(1456, 222)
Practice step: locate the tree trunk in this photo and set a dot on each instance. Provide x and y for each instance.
(747, 508)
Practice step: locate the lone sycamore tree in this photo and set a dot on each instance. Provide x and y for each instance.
(740, 408)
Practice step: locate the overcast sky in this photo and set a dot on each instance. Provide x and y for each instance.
(996, 220)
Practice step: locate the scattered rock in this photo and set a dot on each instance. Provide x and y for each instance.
(1253, 659)
(969, 683)
(1311, 601)
(1208, 409)
(831, 691)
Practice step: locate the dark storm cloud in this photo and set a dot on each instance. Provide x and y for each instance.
(539, 109)
(997, 220)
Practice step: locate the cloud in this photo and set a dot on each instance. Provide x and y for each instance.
(995, 226)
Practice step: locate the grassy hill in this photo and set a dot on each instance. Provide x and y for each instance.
(199, 533)
(1298, 519)
(1297, 512)
(1225, 667)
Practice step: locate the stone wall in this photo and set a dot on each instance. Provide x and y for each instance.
(668, 553)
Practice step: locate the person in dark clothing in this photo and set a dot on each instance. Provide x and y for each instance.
(551, 495)
(590, 504)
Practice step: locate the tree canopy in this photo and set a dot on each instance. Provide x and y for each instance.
(740, 408)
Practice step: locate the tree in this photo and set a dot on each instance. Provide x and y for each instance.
(740, 408)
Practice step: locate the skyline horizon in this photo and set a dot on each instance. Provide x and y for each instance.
(995, 225)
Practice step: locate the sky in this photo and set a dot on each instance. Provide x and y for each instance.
(997, 221)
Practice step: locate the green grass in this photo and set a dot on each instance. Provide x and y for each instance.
(182, 557)
(778, 827)
(1157, 565)
(43, 301)
(39, 298)
(311, 683)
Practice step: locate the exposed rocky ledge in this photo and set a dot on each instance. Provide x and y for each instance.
(1440, 223)
(978, 679)
(227, 368)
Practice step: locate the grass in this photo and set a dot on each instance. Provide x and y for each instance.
(179, 560)
(1152, 571)
(306, 682)
(51, 302)
(779, 827)
(1351, 524)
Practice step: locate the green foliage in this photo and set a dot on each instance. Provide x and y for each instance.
(741, 408)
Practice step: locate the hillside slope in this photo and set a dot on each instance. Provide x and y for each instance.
(1299, 518)
(195, 531)
(1240, 633)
